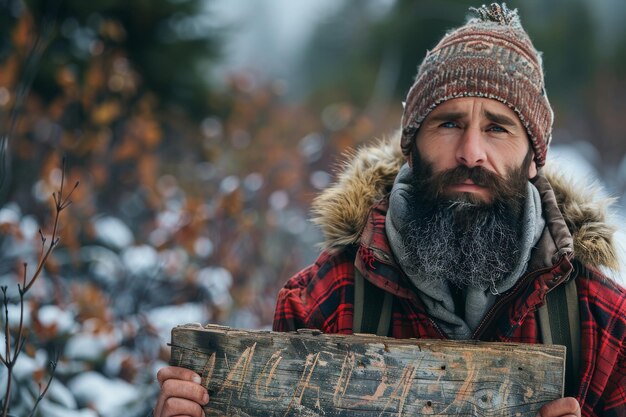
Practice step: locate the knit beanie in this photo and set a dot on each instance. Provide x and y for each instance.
(490, 56)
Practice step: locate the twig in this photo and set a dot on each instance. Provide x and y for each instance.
(53, 367)
(8, 362)
(61, 203)
(7, 335)
(23, 88)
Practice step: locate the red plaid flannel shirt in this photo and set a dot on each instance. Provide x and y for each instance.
(321, 297)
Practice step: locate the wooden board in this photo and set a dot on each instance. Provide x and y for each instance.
(308, 374)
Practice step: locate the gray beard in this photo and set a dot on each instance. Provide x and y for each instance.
(461, 243)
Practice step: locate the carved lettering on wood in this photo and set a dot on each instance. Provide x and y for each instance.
(309, 374)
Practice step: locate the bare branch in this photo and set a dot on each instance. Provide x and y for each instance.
(23, 276)
(67, 200)
(61, 204)
(4, 361)
(7, 334)
(29, 71)
(7, 393)
(20, 338)
(62, 181)
(7, 361)
(53, 367)
(21, 342)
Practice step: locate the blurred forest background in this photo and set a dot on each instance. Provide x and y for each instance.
(200, 130)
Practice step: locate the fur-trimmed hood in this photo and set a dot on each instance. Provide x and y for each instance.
(367, 175)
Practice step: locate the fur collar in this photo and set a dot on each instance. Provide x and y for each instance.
(367, 175)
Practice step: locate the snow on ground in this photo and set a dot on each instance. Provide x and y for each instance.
(63, 320)
(108, 396)
(112, 231)
(89, 347)
(167, 317)
(141, 259)
(61, 395)
(217, 282)
(50, 409)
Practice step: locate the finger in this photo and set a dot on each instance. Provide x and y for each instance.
(175, 388)
(158, 407)
(175, 372)
(181, 407)
(563, 407)
(171, 387)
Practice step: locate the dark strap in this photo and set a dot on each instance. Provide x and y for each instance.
(372, 307)
(559, 320)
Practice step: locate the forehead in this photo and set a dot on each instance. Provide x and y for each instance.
(469, 105)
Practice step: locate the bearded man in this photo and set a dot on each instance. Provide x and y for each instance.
(458, 229)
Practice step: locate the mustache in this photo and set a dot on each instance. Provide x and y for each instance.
(503, 188)
(477, 175)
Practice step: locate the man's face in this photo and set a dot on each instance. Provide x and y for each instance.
(471, 163)
(470, 138)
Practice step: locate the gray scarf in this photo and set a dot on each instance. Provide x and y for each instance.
(437, 297)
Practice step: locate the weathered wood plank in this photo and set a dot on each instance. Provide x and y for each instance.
(309, 374)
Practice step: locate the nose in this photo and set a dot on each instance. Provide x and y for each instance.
(470, 150)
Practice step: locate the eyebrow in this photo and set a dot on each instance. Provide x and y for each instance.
(500, 119)
(447, 116)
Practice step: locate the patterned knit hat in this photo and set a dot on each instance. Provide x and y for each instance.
(490, 56)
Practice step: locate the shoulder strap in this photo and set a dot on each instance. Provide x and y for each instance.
(559, 320)
(372, 307)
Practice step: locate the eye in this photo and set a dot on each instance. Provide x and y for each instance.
(497, 129)
(449, 125)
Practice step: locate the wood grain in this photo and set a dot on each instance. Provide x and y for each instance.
(256, 373)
